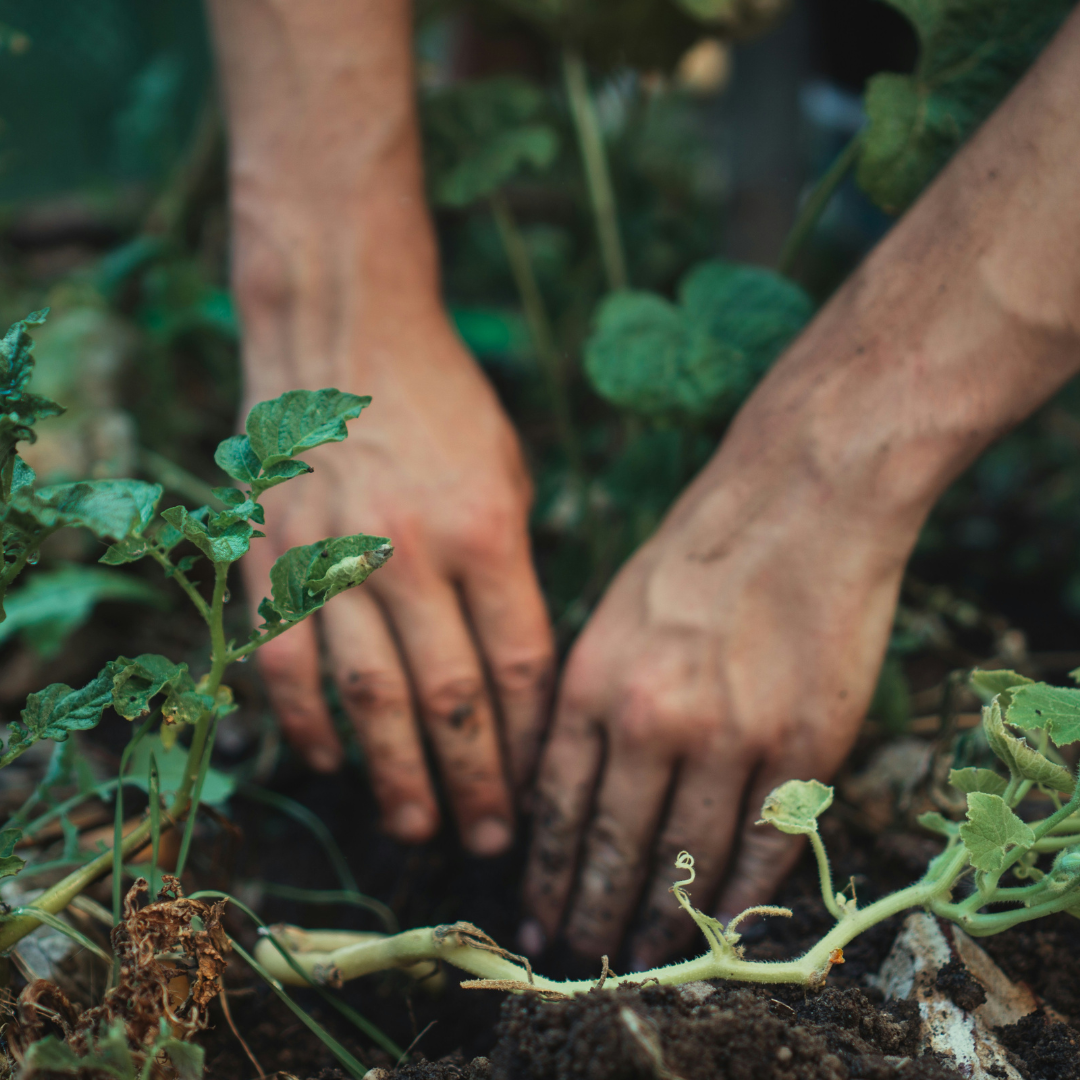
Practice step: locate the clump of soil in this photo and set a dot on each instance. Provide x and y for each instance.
(1041, 1048)
(962, 988)
(700, 1032)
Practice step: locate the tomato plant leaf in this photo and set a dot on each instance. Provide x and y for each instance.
(991, 831)
(56, 711)
(700, 358)
(1055, 708)
(971, 52)
(111, 509)
(136, 682)
(305, 577)
(985, 780)
(794, 807)
(300, 420)
(481, 134)
(224, 545)
(236, 457)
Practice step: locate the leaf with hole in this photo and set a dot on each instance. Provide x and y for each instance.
(794, 807)
(1053, 708)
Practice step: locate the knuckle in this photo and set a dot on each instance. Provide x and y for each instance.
(374, 692)
(525, 673)
(453, 700)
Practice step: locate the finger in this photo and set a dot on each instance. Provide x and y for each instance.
(290, 667)
(567, 780)
(511, 623)
(703, 820)
(765, 855)
(375, 696)
(619, 839)
(456, 710)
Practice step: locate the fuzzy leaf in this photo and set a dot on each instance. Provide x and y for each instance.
(985, 780)
(991, 831)
(989, 684)
(701, 358)
(794, 807)
(1020, 758)
(305, 577)
(56, 711)
(938, 823)
(55, 603)
(1055, 708)
(111, 509)
(300, 420)
(971, 52)
(481, 134)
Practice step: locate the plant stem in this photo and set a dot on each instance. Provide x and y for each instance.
(828, 893)
(532, 302)
(814, 205)
(181, 579)
(597, 175)
(175, 478)
(267, 635)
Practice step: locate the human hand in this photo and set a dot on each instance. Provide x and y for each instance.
(453, 630)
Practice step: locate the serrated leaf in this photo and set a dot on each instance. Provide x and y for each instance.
(56, 711)
(991, 831)
(985, 780)
(938, 823)
(111, 509)
(971, 52)
(1054, 708)
(305, 577)
(54, 603)
(701, 358)
(794, 807)
(1020, 758)
(235, 456)
(481, 134)
(989, 684)
(300, 420)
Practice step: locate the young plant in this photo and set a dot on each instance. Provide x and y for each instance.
(125, 513)
(986, 879)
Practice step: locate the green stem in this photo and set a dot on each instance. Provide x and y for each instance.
(174, 478)
(181, 579)
(828, 893)
(118, 818)
(814, 206)
(267, 635)
(597, 175)
(536, 315)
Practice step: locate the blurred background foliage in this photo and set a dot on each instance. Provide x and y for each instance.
(714, 119)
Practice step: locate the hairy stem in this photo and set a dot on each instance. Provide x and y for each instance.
(816, 202)
(828, 893)
(597, 175)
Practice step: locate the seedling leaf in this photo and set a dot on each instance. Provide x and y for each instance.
(1055, 708)
(300, 420)
(984, 780)
(971, 52)
(991, 831)
(990, 684)
(936, 822)
(701, 358)
(794, 807)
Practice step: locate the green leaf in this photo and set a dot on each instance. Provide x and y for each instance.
(55, 603)
(305, 577)
(300, 420)
(989, 684)
(130, 550)
(985, 780)
(171, 761)
(56, 711)
(111, 509)
(236, 457)
(22, 475)
(1021, 759)
(10, 863)
(699, 359)
(136, 682)
(1055, 708)
(109, 1054)
(971, 52)
(936, 822)
(991, 831)
(794, 807)
(481, 134)
(220, 545)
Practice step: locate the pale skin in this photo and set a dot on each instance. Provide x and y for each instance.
(739, 647)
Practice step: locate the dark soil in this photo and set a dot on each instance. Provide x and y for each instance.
(961, 986)
(1042, 1049)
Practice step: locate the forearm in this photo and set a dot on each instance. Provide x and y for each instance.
(332, 241)
(961, 322)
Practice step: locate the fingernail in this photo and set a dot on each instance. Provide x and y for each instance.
(531, 938)
(323, 758)
(411, 823)
(489, 836)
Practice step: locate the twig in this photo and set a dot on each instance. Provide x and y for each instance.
(409, 1049)
(224, 998)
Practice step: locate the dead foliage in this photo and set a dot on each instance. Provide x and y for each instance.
(171, 956)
